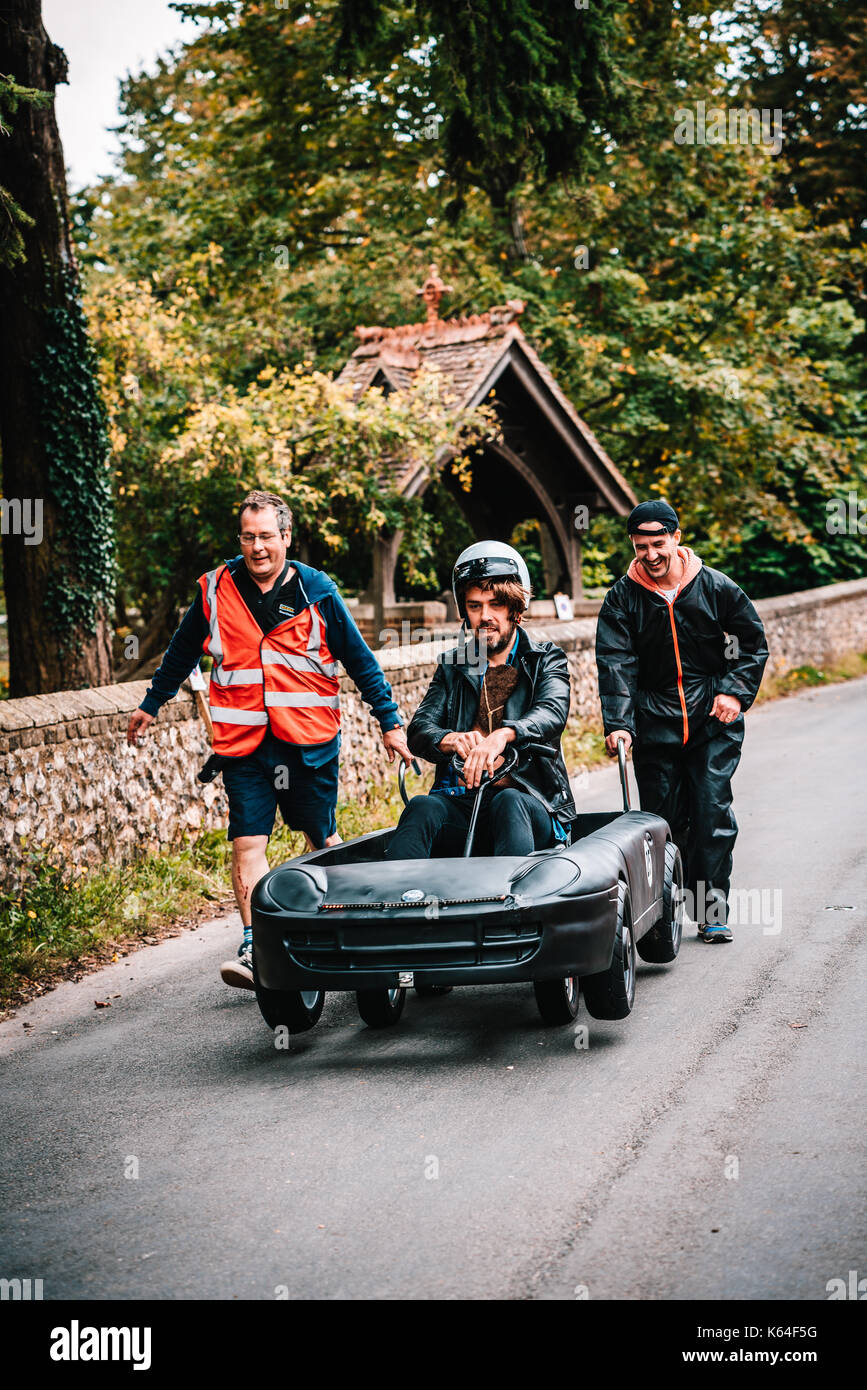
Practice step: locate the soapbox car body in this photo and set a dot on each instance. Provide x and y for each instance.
(345, 918)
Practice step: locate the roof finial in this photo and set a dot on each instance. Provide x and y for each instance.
(432, 292)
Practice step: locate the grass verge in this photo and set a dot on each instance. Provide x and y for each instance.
(63, 920)
(848, 668)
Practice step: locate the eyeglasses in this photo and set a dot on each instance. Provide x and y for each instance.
(267, 538)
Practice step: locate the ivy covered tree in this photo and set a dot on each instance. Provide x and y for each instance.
(58, 542)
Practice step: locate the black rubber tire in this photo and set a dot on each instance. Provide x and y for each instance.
(432, 991)
(557, 999)
(611, 993)
(380, 1008)
(662, 943)
(286, 1008)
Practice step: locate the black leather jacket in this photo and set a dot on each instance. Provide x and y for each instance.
(537, 710)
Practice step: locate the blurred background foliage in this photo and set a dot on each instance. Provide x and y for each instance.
(292, 171)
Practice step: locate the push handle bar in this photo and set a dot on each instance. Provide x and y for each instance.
(542, 750)
(401, 778)
(624, 780)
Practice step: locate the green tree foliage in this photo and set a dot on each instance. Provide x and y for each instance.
(285, 178)
(335, 461)
(523, 88)
(809, 59)
(13, 218)
(187, 445)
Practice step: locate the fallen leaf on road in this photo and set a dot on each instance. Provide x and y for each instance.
(799, 1025)
(102, 1003)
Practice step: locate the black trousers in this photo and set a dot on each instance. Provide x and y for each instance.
(690, 786)
(510, 822)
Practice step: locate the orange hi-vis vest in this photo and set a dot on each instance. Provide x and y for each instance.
(286, 678)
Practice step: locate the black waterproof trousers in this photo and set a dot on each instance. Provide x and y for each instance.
(510, 822)
(690, 786)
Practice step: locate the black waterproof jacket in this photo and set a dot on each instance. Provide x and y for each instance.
(660, 664)
(537, 710)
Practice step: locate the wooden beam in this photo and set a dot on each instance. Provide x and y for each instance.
(620, 503)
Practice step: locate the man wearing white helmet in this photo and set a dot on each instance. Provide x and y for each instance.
(496, 688)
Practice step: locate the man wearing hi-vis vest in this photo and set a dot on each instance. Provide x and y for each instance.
(275, 630)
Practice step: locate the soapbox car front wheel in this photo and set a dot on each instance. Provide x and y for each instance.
(296, 1009)
(380, 1008)
(611, 993)
(557, 1000)
(662, 942)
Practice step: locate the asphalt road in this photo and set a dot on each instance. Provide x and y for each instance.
(710, 1145)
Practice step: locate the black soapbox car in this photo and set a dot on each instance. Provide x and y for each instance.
(347, 919)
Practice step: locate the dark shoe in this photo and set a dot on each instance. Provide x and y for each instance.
(239, 972)
(714, 934)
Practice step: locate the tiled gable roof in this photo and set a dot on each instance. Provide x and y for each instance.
(465, 351)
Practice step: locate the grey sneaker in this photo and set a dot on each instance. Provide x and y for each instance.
(715, 934)
(239, 972)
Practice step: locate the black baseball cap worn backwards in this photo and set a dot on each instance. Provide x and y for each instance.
(646, 518)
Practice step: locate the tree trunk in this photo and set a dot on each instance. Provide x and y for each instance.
(518, 229)
(380, 590)
(58, 537)
(501, 185)
(151, 643)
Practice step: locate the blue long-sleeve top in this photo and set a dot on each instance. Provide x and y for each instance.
(307, 586)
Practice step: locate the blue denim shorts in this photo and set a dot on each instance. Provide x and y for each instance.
(276, 775)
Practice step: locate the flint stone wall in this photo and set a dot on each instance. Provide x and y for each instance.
(69, 779)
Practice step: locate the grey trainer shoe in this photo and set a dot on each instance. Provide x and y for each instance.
(239, 972)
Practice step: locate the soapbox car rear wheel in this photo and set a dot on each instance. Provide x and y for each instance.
(611, 993)
(295, 1009)
(380, 1008)
(557, 1000)
(662, 942)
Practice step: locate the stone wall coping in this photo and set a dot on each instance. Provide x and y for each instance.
(67, 706)
(572, 635)
(396, 612)
(811, 598)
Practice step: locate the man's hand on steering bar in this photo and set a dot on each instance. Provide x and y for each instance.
(461, 744)
(611, 741)
(485, 756)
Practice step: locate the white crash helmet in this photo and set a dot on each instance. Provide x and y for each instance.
(486, 561)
